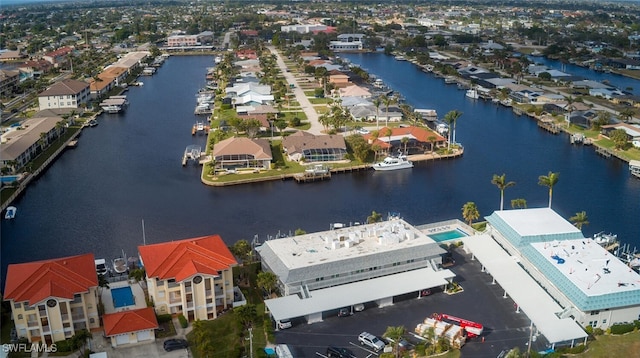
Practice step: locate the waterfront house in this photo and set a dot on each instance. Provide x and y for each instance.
(130, 327)
(420, 139)
(347, 42)
(21, 144)
(65, 94)
(106, 80)
(339, 79)
(191, 277)
(6, 56)
(354, 91)
(240, 152)
(249, 94)
(52, 300)
(632, 130)
(314, 148)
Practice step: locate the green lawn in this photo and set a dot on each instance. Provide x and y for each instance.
(320, 100)
(605, 346)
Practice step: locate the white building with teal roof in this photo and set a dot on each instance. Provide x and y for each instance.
(593, 287)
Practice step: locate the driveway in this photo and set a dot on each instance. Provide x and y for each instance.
(141, 350)
(481, 301)
(307, 107)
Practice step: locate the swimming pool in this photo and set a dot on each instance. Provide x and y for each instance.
(448, 235)
(122, 297)
(9, 178)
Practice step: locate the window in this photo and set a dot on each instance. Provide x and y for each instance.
(17, 305)
(92, 320)
(19, 317)
(593, 313)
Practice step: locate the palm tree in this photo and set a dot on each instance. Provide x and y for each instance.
(246, 314)
(451, 118)
(432, 140)
(570, 100)
(501, 182)
(387, 102)
(579, 219)
(377, 102)
(549, 181)
(626, 114)
(267, 281)
(470, 212)
(404, 141)
(395, 333)
(374, 218)
(519, 203)
(388, 132)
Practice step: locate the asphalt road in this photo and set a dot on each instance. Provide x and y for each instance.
(481, 301)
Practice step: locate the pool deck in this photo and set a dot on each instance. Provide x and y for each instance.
(107, 299)
(444, 226)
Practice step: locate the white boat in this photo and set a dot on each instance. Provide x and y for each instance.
(393, 163)
(10, 213)
(92, 123)
(472, 93)
(120, 264)
(400, 58)
(442, 128)
(317, 169)
(603, 239)
(217, 59)
(101, 266)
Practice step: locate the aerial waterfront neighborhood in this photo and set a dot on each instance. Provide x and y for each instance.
(283, 98)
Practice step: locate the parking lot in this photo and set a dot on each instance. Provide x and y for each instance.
(481, 301)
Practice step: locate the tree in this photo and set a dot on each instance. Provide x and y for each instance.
(451, 118)
(404, 140)
(501, 182)
(470, 212)
(377, 102)
(549, 181)
(580, 219)
(395, 333)
(267, 281)
(374, 217)
(518, 203)
(252, 127)
(138, 274)
(388, 132)
(570, 107)
(242, 250)
(80, 339)
(359, 147)
(299, 232)
(626, 114)
(387, 102)
(619, 138)
(246, 314)
(432, 140)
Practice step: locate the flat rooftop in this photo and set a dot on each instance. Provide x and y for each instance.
(350, 242)
(589, 266)
(539, 221)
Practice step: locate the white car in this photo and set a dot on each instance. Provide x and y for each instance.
(284, 324)
(373, 342)
(362, 131)
(358, 307)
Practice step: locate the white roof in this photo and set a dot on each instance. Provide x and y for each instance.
(531, 298)
(538, 221)
(351, 242)
(357, 292)
(589, 266)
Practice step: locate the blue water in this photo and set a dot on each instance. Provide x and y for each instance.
(94, 198)
(122, 297)
(447, 235)
(619, 81)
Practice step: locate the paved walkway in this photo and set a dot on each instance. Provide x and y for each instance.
(305, 104)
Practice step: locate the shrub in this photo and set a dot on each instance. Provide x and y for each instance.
(589, 329)
(598, 332)
(622, 328)
(225, 106)
(162, 318)
(64, 346)
(183, 321)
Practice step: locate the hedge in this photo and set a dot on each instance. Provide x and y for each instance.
(162, 318)
(183, 321)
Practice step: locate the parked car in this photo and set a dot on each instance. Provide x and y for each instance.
(340, 352)
(373, 342)
(344, 312)
(362, 131)
(284, 324)
(173, 344)
(359, 307)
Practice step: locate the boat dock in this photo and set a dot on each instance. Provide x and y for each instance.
(311, 177)
(634, 168)
(192, 152)
(576, 138)
(603, 151)
(549, 127)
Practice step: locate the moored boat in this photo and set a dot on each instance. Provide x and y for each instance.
(101, 266)
(10, 213)
(393, 163)
(120, 264)
(472, 93)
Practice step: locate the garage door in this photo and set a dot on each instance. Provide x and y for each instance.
(144, 336)
(122, 339)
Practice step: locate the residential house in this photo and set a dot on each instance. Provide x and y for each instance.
(52, 300)
(192, 276)
(347, 42)
(8, 82)
(240, 152)
(247, 54)
(130, 327)
(632, 130)
(182, 40)
(607, 93)
(34, 69)
(314, 148)
(420, 139)
(6, 56)
(354, 91)
(338, 79)
(583, 118)
(261, 113)
(58, 57)
(65, 94)
(21, 144)
(249, 94)
(303, 28)
(106, 80)
(132, 60)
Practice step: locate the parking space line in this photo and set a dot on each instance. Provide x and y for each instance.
(364, 349)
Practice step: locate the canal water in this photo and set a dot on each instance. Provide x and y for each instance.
(128, 169)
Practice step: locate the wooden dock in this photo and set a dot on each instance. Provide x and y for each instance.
(634, 168)
(549, 127)
(603, 151)
(311, 177)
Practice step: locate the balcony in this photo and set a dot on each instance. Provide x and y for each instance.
(32, 324)
(78, 317)
(173, 284)
(174, 300)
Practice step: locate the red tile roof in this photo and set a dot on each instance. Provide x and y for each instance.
(419, 133)
(40, 280)
(185, 258)
(129, 321)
